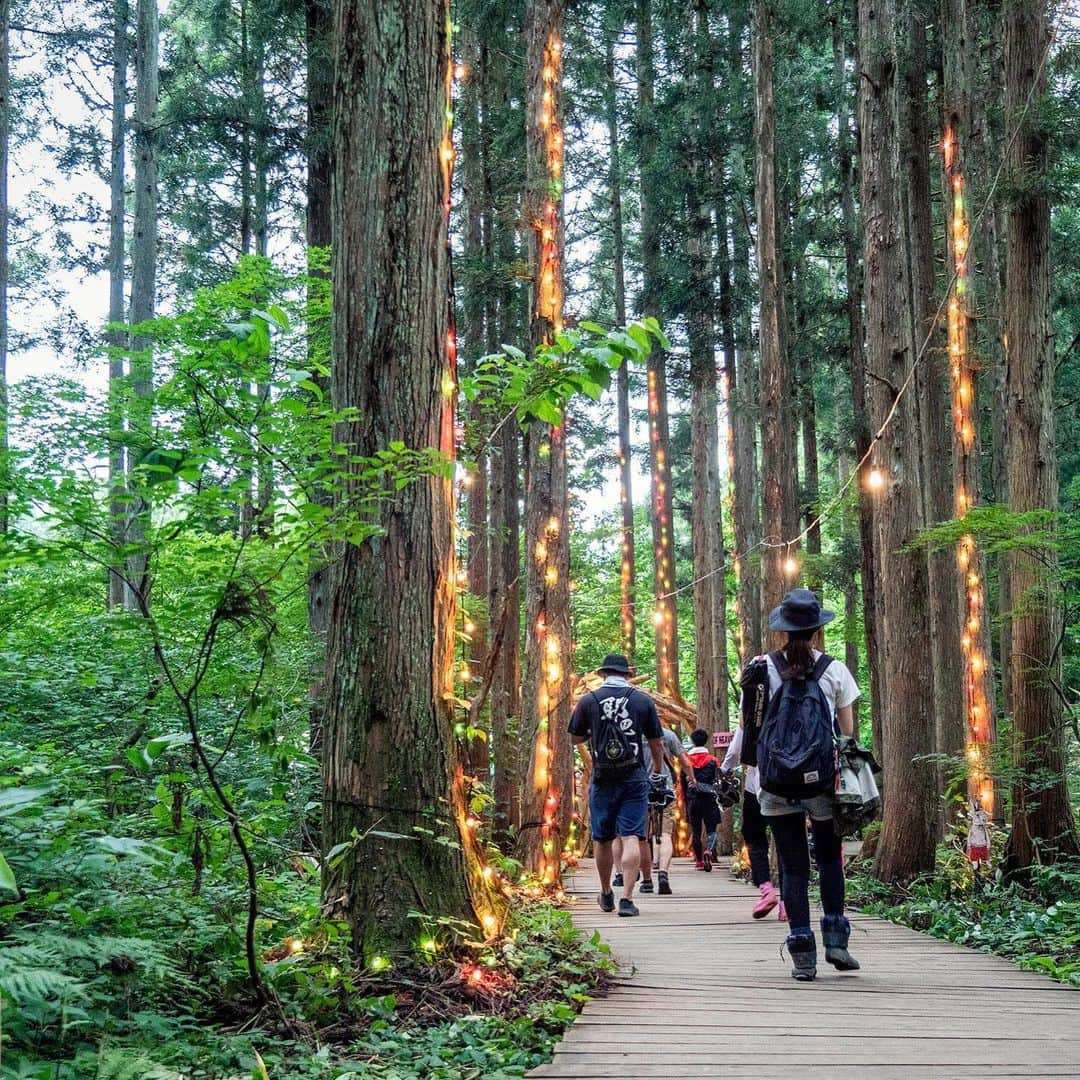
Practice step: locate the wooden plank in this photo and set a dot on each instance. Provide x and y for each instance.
(705, 984)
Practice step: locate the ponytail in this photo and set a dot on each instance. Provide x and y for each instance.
(799, 652)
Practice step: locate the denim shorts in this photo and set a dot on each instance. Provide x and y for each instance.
(619, 808)
(819, 807)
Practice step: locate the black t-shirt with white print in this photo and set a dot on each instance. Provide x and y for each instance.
(634, 710)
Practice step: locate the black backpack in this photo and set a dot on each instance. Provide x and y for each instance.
(755, 693)
(796, 750)
(616, 751)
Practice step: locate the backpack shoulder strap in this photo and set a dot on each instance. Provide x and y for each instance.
(780, 663)
(822, 665)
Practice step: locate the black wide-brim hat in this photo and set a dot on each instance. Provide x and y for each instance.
(800, 610)
(614, 664)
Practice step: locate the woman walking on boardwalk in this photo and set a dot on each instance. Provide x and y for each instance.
(810, 699)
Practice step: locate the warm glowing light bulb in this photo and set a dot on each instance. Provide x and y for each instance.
(875, 479)
(657, 617)
(460, 72)
(470, 628)
(791, 566)
(379, 963)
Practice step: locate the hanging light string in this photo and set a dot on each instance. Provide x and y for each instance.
(773, 543)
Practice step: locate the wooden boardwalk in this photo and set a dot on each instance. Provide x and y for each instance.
(704, 993)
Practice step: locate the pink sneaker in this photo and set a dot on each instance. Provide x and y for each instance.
(782, 912)
(769, 900)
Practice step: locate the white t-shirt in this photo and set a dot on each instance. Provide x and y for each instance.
(837, 683)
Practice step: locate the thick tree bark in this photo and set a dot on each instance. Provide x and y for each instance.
(974, 726)
(736, 305)
(935, 429)
(627, 584)
(871, 607)
(909, 824)
(504, 560)
(320, 93)
(389, 759)
(472, 341)
(504, 606)
(710, 637)
(778, 457)
(319, 30)
(1043, 829)
(665, 612)
(547, 801)
(144, 253)
(117, 339)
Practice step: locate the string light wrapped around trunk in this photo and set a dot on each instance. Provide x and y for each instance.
(548, 551)
(977, 676)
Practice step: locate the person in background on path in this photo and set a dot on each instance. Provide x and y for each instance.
(672, 751)
(701, 805)
(804, 681)
(645, 864)
(755, 834)
(618, 721)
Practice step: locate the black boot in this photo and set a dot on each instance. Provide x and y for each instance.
(835, 933)
(803, 951)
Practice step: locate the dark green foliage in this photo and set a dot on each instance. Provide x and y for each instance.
(1038, 926)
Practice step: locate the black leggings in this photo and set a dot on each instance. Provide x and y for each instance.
(790, 833)
(703, 811)
(756, 837)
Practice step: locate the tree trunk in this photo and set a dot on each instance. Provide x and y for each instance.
(778, 458)
(5, 138)
(974, 723)
(389, 759)
(320, 96)
(144, 254)
(710, 638)
(547, 802)
(627, 588)
(117, 339)
(665, 613)
(742, 382)
(504, 606)
(504, 560)
(473, 340)
(871, 607)
(909, 824)
(1043, 829)
(935, 431)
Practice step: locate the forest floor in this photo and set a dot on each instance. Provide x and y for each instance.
(705, 992)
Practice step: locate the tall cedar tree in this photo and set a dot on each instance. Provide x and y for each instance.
(740, 361)
(665, 616)
(779, 462)
(860, 409)
(945, 615)
(974, 686)
(144, 255)
(318, 37)
(909, 826)
(547, 801)
(1043, 829)
(388, 754)
(710, 617)
(117, 339)
(627, 589)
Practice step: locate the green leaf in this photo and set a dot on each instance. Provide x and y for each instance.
(13, 799)
(7, 878)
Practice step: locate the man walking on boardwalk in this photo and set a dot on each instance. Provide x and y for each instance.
(618, 721)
